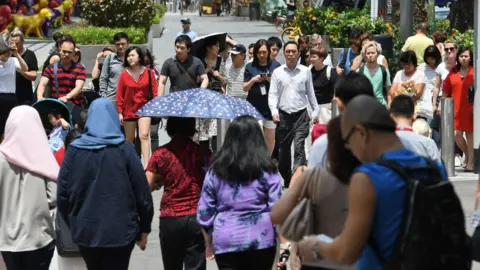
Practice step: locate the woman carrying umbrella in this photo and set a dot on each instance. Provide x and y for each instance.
(209, 54)
(28, 172)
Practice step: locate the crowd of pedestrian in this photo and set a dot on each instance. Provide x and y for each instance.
(94, 164)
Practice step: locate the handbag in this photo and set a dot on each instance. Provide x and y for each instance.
(63, 239)
(301, 221)
(153, 121)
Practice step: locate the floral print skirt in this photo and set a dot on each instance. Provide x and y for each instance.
(206, 129)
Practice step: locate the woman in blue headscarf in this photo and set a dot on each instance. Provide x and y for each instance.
(103, 193)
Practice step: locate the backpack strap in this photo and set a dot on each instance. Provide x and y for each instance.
(55, 78)
(384, 82)
(344, 59)
(362, 70)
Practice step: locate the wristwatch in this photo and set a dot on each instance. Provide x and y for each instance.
(316, 251)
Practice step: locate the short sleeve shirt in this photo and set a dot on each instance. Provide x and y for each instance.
(181, 164)
(255, 97)
(377, 82)
(67, 79)
(178, 79)
(24, 87)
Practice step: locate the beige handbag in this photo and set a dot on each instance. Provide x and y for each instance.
(301, 221)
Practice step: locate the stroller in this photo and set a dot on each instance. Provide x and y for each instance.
(69, 111)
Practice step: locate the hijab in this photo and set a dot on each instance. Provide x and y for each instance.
(26, 144)
(102, 128)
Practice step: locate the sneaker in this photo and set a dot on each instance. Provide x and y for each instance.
(458, 161)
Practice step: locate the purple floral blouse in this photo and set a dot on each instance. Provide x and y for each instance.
(237, 215)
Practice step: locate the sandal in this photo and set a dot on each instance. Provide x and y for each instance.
(284, 255)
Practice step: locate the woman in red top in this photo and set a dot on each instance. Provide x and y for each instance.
(132, 93)
(457, 85)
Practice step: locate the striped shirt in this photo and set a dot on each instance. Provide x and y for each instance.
(234, 78)
(66, 80)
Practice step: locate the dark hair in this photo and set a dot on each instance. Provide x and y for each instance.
(423, 27)
(82, 120)
(352, 85)
(275, 41)
(208, 42)
(461, 50)
(56, 36)
(251, 46)
(151, 58)
(66, 38)
(439, 36)
(354, 37)
(402, 106)
(342, 162)
(120, 35)
(244, 155)
(56, 112)
(303, 57)
(408, 57)
(71, 136)
(289, 43)
(305, 39)
(79, 53)
(184, 39)
(320, 51)
(434, 52)
(141, 55)
(256, 48)
(180, 126)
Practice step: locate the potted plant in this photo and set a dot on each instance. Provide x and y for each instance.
(157, 22)
(103, 18)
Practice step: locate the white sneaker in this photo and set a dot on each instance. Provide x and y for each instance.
(458, 161)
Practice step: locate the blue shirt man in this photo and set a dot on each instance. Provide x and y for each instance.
(186, 29)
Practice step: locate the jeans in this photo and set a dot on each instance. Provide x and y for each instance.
(294, 128)
(117, 258)
(260, 259)
(182, 243)
(30, 260)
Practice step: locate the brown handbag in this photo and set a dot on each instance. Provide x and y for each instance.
(301, 221)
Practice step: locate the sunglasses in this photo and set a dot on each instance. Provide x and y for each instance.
(451, 49)
(367, 126)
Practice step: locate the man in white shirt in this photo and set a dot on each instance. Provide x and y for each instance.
(291, 91)
(402, 110)
(186, 22)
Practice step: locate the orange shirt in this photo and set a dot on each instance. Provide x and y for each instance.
(457, 88)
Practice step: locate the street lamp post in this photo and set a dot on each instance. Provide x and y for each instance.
(476, 64)
(406, 19)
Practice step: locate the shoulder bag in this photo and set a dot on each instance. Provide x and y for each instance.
(185, 73)
(154, 121)
(301, 221)
(63, 239)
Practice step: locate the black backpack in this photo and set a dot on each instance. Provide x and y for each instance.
(432, 234)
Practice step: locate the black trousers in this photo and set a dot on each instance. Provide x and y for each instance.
(7, 103)
(117, 258)
(260, 259)
(182, 243)
(30, 260)
(305, 267)
(292, 128)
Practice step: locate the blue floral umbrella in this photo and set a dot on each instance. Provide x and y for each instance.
(198, 103)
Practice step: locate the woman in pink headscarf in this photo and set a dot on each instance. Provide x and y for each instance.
(28, 172)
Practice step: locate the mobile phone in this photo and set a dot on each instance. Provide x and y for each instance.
(471, 94)
(263, 75)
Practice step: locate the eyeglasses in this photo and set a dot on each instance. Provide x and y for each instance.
(451, 49)
(367, 126)
(291, 51)
(347, 138)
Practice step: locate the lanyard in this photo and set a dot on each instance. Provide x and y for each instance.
(404, 129)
